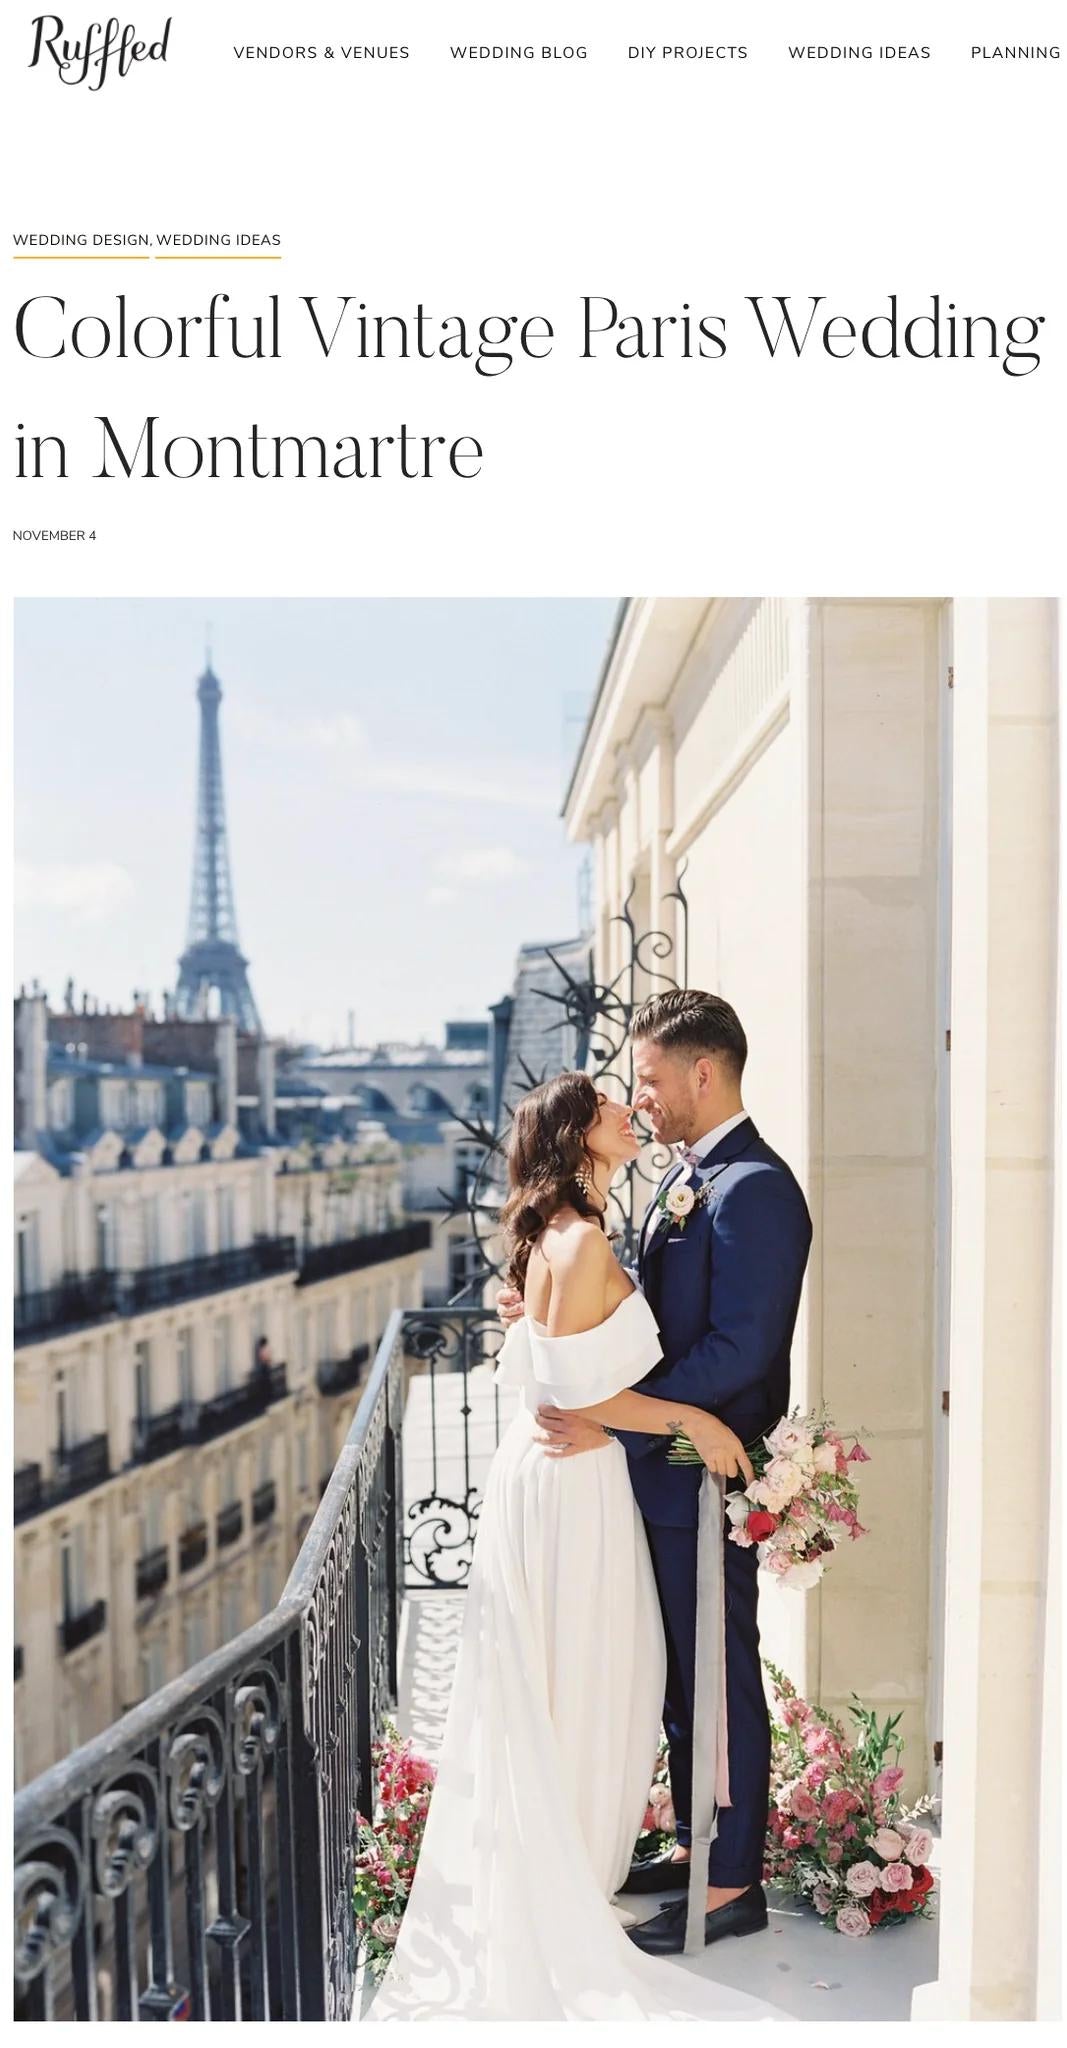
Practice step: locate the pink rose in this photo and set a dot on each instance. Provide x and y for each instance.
(836, 1807)
(852, 1920)
(804, 1807)
(918, 1846)
(887, 1844)
(862, 1879)
(822, 1898)
(834, 1852)
(385, 1929)
(887, 1781)
(679, 1199)
(786, 1438)
(783, 1477)
(778, 1562)
(742, 1539)
(897, 1877)
(662, 1806)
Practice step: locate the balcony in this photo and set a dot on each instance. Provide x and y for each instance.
(79, 1299)
(29, 1493)
(157, 1286)
(77, 1629)
(83, 1298)
(156, 1436)
(152, 1572)
(229, 1523)
(238, 1405)
(264, 1502)
(192, 1546)
(77, 1468)
(339, 1375)
(352, 1254)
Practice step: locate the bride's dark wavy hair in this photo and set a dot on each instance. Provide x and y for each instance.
(546, 1153)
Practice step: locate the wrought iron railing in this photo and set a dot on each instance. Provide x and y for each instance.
(78, 1299)
(460, 1426)
(371, 1248)
(196, 1859)
(83, 1298)
(338, 1375)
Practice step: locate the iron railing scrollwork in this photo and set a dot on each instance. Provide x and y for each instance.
(195, 1860)
(597, 1016)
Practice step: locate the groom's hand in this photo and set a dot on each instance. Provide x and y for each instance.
(509, 1306)
(566, 1435)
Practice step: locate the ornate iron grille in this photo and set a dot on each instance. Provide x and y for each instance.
(459, 1343)
(195, 1861)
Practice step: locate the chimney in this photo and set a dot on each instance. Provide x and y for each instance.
(226, 1068)
(31, 1043)
(268, 1120)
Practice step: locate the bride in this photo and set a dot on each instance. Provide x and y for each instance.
(553, 1722)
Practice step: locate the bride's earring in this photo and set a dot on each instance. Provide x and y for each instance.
(584, 1183)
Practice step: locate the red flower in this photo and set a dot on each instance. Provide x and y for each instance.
(922, 1883)
(760, 1525)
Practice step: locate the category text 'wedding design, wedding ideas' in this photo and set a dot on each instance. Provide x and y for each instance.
(782, 327)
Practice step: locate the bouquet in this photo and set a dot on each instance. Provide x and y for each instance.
(836, 1832)
(802, 1502)
(388, 1847)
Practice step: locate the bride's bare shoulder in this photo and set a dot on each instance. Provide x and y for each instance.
(571, 1241)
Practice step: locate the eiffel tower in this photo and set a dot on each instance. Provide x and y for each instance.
(213, 965)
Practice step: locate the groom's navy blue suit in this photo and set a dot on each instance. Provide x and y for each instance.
(725, 1292)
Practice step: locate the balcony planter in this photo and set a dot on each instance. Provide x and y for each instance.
(229, 1523)
(192, 1547)
(337, 1375)
(373, 1248)
(152, 1572)
(264, 1501)
(76, 1629)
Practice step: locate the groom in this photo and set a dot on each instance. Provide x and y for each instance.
(724, 1286)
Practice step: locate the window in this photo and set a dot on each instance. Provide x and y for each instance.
(68, 1424)
(232, 1605)
(223, 1354)
(227, 1480)
(27, 1255)
(303, 1478)
(105, 1237)
(153, 1666)
(142, 1379)
(224, 1218)
(73, 1571)
(188, 1227)
(265, 1468)
(327, 1318)
(150, 1230)
(186, 1378)
(61, 1105)
(194, 1636)
(151, 1522)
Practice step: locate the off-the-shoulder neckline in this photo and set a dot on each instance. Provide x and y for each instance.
(635, 1294)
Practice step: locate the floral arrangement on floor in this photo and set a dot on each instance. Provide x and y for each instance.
(658, 1826)
(802, 1502)
(388, 1847)
(837, 1834)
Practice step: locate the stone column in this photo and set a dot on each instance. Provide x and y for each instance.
(998, 1931)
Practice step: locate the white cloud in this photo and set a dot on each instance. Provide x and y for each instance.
(86, 891)
(343, 739)
(484, 864)
(440, 894)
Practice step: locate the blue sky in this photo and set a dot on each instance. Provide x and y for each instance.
(393, 772)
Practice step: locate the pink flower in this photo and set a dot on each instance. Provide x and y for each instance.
(887, 1781)
(783, 1477)
(662, 1806)
(815, 1774)
(836, 1807)
(887, 1844)
(742, 1539)
(856, 1530)
(862, 1879)
(850, 1831)
(852, 1920)
(779, 1562)
(824, 1458)
(897, 1877)
(385, 1929)
(821, 1741)
(918, 1846)
(803, 1804)
(858, 1456)
(822, 1898)
(834, 1852)
(787, 1437)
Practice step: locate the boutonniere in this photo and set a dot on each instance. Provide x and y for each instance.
(677, 1203)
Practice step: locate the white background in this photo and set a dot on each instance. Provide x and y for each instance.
(517, 187)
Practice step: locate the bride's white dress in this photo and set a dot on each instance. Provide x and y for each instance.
(552, 1730)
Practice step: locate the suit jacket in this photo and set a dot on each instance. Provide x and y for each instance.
(725, 1292)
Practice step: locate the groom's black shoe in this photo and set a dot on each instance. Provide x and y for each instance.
(651, 1874)
(664, 1934)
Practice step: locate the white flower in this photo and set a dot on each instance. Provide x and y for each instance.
(679, 1199)
(783, 1477)
(786, 1438)
(824, 1458)
(738, 1508)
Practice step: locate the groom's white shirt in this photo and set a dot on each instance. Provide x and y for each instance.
(695, 1153)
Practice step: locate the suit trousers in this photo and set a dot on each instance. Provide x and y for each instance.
(737, 1851)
